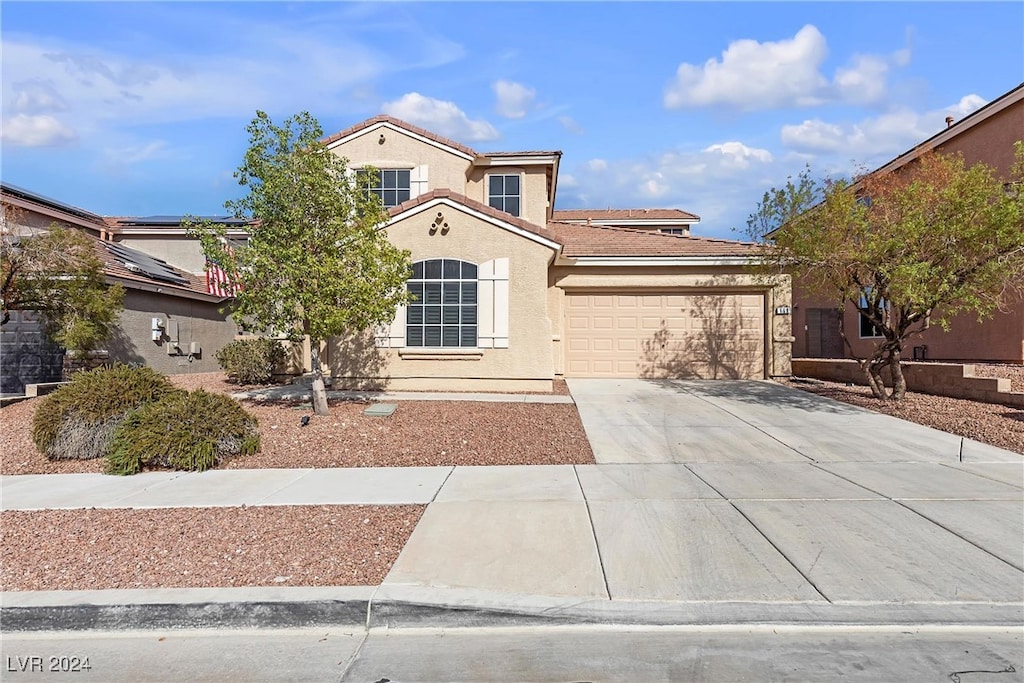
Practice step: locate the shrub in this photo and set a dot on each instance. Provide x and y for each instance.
(251, 361)
(78, 420)
(183, 431)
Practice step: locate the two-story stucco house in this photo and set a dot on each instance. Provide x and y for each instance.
(509, 297)
(988, 136)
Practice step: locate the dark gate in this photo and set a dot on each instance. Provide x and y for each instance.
(26, 355)
(822, 333)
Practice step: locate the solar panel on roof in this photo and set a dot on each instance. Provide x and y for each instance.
(144, 264)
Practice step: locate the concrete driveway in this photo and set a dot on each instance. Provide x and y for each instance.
(691, 421)
(731, 502)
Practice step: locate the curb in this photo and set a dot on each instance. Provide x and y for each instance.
(398, 607)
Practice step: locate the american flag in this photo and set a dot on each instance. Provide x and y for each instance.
(217, 281)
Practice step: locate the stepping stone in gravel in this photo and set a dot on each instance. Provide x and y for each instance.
(380, 409)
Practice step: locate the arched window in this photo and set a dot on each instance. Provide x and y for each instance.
(444, 313)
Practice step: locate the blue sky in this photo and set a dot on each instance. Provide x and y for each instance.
(141, 108)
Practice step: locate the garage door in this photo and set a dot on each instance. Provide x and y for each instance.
(658, 335)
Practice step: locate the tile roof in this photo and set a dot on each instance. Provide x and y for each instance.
(598, 240)
(522, 154)
(474, 205)
(622, 214)
(399, 124)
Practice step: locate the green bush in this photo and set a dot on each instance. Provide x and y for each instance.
(78, 420)
(183, 431)
(251, 361)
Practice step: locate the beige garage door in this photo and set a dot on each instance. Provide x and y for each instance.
(655, 335)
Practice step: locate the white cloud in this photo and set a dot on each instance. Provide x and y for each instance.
(885, 135)
(567, 180)
(36, 97)
(137, 153)
(41, 130)
(570, 125)
(722, 183)
(514, 99)
(439, 116)
(739, 156)
(786, 73)
(864, 81)
(753, 75)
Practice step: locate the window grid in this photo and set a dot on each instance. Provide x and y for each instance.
(503, 193)
(391, 185)
(444, 313)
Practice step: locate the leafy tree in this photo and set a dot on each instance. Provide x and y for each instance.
(907, 249)
(57, 273)
(317, 263)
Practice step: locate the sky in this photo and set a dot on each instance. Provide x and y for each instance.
(140, 108)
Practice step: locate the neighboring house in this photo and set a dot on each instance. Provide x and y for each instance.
(667, 221)
(509, 297)
(169, 321)
(987, 135)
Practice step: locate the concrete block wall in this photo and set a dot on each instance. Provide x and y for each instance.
(939, 379)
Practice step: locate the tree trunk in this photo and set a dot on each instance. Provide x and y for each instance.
(899, 382)
(319, 389)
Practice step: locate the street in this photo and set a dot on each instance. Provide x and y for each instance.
(573, 653)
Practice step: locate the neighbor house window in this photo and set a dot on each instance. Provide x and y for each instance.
(444, 313)
(391, 185)
(674, 231)
(503, 193)
(867, 328)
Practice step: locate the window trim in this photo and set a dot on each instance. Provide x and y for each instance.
(520, 175)
(462, 327)
(379, 187)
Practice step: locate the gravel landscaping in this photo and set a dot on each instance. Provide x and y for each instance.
(419, 433)
(990, 423)
(93, 549)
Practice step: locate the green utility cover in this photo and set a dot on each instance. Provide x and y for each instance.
(380, 409)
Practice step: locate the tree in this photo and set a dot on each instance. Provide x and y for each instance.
(57, 273)
(907, 249)
(317, 263)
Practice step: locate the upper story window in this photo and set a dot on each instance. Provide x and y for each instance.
(444, 313)
(391, 185)
(674, 231)
(503, 193)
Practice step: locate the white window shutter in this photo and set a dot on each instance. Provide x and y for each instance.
(392, 336)
(492, 295)
(418, 181)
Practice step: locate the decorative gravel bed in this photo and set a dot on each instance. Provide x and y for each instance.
(198, 547)
(989, 423)
(419, 433)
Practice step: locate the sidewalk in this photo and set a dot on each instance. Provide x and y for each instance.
(780, 543)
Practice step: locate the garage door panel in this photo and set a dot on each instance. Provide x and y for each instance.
(657, 335)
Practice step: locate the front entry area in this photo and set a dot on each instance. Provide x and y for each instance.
(657, 335)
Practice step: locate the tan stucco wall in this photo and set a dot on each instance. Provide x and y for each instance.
(198, 321)
(939, 379)
(526, 363)
(683, 279)
(181, 251)
(533, 189)
(400, 150)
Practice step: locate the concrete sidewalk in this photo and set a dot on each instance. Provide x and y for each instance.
(684, 520)
(300, 392)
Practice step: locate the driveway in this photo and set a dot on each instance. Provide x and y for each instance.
(743, 422)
